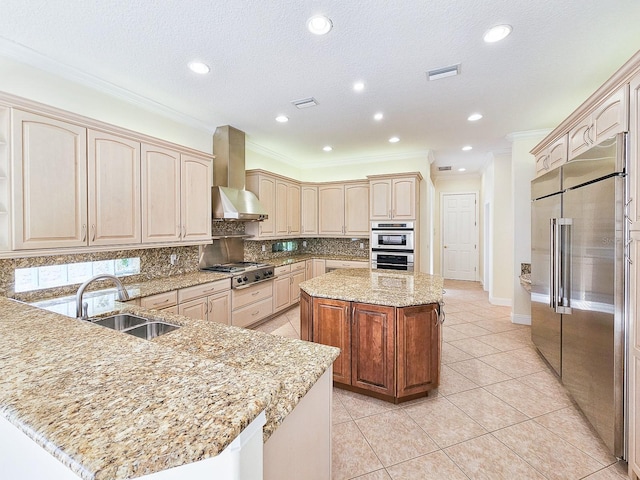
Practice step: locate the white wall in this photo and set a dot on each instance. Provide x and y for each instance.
(522, 172)
(501, 281)
(34, 84)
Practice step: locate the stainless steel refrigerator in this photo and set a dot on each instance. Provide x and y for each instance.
(578, 263)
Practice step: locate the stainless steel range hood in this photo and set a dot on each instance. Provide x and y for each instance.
(229, 199)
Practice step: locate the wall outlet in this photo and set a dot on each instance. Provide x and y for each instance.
(361, 246)
(173, 259)
(264, 248)
(304, 243)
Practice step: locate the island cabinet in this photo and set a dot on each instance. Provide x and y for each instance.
(388, 352)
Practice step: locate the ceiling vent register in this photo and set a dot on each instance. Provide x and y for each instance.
(305, 102)
(443, 72)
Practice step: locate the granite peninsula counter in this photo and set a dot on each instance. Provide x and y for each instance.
(387, 325)
(111, 406)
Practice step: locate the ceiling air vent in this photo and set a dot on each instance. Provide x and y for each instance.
(443, 72)
(305, 102)
(444, 169)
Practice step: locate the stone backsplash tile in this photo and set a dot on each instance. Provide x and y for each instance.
(322, 246)
(525, 268)
(154, 263)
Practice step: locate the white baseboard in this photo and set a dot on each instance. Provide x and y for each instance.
(502, 302)
(521, 319)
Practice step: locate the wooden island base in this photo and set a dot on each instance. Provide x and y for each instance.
(388, 352)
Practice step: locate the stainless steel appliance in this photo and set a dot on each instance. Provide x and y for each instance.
(245, 273)
(392, 245)
(578, 279)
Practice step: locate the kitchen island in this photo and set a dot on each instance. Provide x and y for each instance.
(107, 405)
(387, 325)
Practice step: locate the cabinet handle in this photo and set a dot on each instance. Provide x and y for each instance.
(210, 307)
(84, 232)
(389, 213)
(255, 313)
(93, 233)
(163, 301)
(184, 232)
(254, 294)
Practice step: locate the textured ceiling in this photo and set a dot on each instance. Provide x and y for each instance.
(262, 58)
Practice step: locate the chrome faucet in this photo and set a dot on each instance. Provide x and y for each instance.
(81, 308)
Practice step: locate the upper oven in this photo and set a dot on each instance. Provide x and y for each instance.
(392, 236)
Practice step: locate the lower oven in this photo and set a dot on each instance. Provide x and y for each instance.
(392, 260)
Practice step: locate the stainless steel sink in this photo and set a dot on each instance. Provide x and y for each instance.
(120, 321)
(151, 330)
(137, 326)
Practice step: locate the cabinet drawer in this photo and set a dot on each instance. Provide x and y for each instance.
(298, 266)
(245, 296)
(252, 313)
(345, 264)
(197, 291)
(161, 300)
(282, 270)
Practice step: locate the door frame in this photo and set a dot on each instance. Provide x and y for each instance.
(475, 232)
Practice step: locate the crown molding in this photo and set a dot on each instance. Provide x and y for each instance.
(35, 59)
(370, 159)
(528, 134)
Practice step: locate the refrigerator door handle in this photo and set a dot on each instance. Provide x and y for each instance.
(553, 293)
(563, 260)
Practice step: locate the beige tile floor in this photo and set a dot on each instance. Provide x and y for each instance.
(498, 414)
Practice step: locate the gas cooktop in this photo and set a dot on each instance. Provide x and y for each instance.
(236, 267)
(245, 273)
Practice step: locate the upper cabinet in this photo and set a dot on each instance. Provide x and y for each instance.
(49, 169)
(607, 119)
(309, 210)
(114, 189)
(394, 197)
(553, 156)
(342, 209)
(82, 183)
(264, 187)
(287, 215)
(281, 199)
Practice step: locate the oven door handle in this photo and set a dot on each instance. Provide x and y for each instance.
(240, 287)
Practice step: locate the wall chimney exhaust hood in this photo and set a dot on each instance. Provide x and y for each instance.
(229, 199)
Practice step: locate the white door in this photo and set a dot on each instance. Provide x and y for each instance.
(459, 238)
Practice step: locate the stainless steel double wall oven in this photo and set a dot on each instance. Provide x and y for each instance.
(392, 245)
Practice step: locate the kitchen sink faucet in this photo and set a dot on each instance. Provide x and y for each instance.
(82, 308)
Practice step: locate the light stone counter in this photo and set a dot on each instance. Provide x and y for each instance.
(112, 406)
(378, 287)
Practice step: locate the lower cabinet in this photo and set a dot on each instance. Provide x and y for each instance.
(391, 353)
(286, 286)
(251, 304)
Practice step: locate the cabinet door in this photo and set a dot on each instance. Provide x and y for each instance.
(380, 198)
(309, 210)
(196, 181)
(319, 267)
(418, 349)
(356, 210)
(49, 165)
(114, 189)
(557, 153)
(634, 357)
(308, 273)
(579, 138)
(160, 194)
(634, 152)
(403, 202)
(195, 309)
(293, 209)
(220, 308)
(331, 210)
(372, 348)
(265, 189)
(610, 118)
(306, 315)
(296, 279)
(281, 293)
(280, 215)
(331, 326)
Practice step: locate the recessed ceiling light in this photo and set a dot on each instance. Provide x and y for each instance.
(394, 140)
(378, 116)
(474, 117)
(282, 119)
(462, 169)
(358, 86)
(319, 25)
(467, 148)
(199, 67)
(328, 148)
(497, 33)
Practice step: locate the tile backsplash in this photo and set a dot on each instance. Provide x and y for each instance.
(253, 249)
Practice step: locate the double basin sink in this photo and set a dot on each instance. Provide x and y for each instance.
(134, 325)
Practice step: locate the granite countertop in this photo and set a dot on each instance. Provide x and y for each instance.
(109, 405)
(378, 287)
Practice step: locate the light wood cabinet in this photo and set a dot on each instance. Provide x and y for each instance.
(634, 152)
(49, 170)
(319, 267)
(160, 194)
(198, 309)
(195, 197)
(607, 119)
(393, 352)
(264, 187)
(309, 210)
(286, 286)
(287, 210)
(342, 209)
(308, 269)
(553, 156)
(394, 198)
(176, 196)
(114, 189)
(335, 264)
(634, 357)
(160, 300)
(251, 304)
(208, 301)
